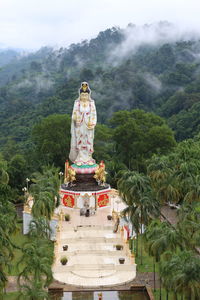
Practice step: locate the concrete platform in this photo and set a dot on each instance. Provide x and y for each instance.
(93, 260)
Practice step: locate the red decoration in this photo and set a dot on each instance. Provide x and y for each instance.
(68, 200)
(103, 200)
(127, 232)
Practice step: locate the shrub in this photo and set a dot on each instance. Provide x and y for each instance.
(67, 217)
(63, 260)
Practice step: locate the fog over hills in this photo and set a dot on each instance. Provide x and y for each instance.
(153, 67)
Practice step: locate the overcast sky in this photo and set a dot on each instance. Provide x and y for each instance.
(31, 24)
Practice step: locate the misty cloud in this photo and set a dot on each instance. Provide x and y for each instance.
(153, 81)
(38, 82)
(149, 34)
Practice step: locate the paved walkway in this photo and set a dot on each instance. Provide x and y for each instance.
(92, 256)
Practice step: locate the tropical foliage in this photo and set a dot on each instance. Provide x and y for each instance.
(139, 97)
(7, 225)
(162, 78)
(169, 179)
(37, 260)
(38, 252)
(45, 192)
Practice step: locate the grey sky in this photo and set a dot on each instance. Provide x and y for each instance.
(34, 23)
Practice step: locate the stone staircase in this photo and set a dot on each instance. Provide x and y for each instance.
(92, 257)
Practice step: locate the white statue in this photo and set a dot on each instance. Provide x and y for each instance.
(84, 119)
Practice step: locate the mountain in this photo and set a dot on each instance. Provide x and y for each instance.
(147, 68)
(7, 55)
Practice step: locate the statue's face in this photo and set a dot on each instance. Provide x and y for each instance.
(84, 97)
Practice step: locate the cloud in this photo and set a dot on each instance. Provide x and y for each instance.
(39, 83)
(149, 34)
(36, 23)
(153, 81)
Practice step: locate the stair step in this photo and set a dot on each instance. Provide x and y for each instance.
(92, 252)
(95, 267)
(90, 240)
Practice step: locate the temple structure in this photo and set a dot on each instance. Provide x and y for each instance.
(91, 245)
(85, 184)
(91, 240)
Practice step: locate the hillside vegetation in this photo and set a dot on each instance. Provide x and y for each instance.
(146, 85)
(162, 77)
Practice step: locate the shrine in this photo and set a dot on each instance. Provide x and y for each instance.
(89, 226)
(84, 186)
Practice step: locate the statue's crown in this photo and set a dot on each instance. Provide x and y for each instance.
(84, 88)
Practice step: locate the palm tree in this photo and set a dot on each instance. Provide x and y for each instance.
(163, 180)
(181, 274)
(188, 224)
(183, 174)
(194, 193)
(37, 255)
(160, 237)
(114, 168)
(40, 228)
(37, 260)
(45, 192)
(7, 227)
(131, 185)
(141, 205)
(34, 291)
(4, 178)
(44, 205)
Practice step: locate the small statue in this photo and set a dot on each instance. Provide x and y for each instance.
(100, 174)
(70, 174)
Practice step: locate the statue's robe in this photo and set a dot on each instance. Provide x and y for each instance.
(81, 135)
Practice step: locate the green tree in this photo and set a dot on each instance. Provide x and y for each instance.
(4, 177)
(52, 139)
(17, 171)
(160, 237)
(188, 224)
(114, 168)
(185, 267)
(7, 224)
(33, 291)
(193, 194)
(138, 135)
(37, 259)
(39, 228)
(103, 143)
(142, 206)
(45, 191)
(86, 75)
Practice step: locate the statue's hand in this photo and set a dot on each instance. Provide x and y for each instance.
(90, 126)
(74, 117)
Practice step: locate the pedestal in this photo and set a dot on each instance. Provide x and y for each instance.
(85, 191)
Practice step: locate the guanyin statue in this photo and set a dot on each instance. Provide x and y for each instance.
(84, 119)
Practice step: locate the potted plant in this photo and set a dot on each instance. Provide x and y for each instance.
(121, 260)
(67, 217)
(65, 247)
(64, 260)
(119, 247)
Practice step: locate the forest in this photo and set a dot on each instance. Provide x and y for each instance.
(37, 91)
(148, 134)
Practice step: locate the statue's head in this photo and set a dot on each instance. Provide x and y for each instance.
(84, 97)
(84, 88)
